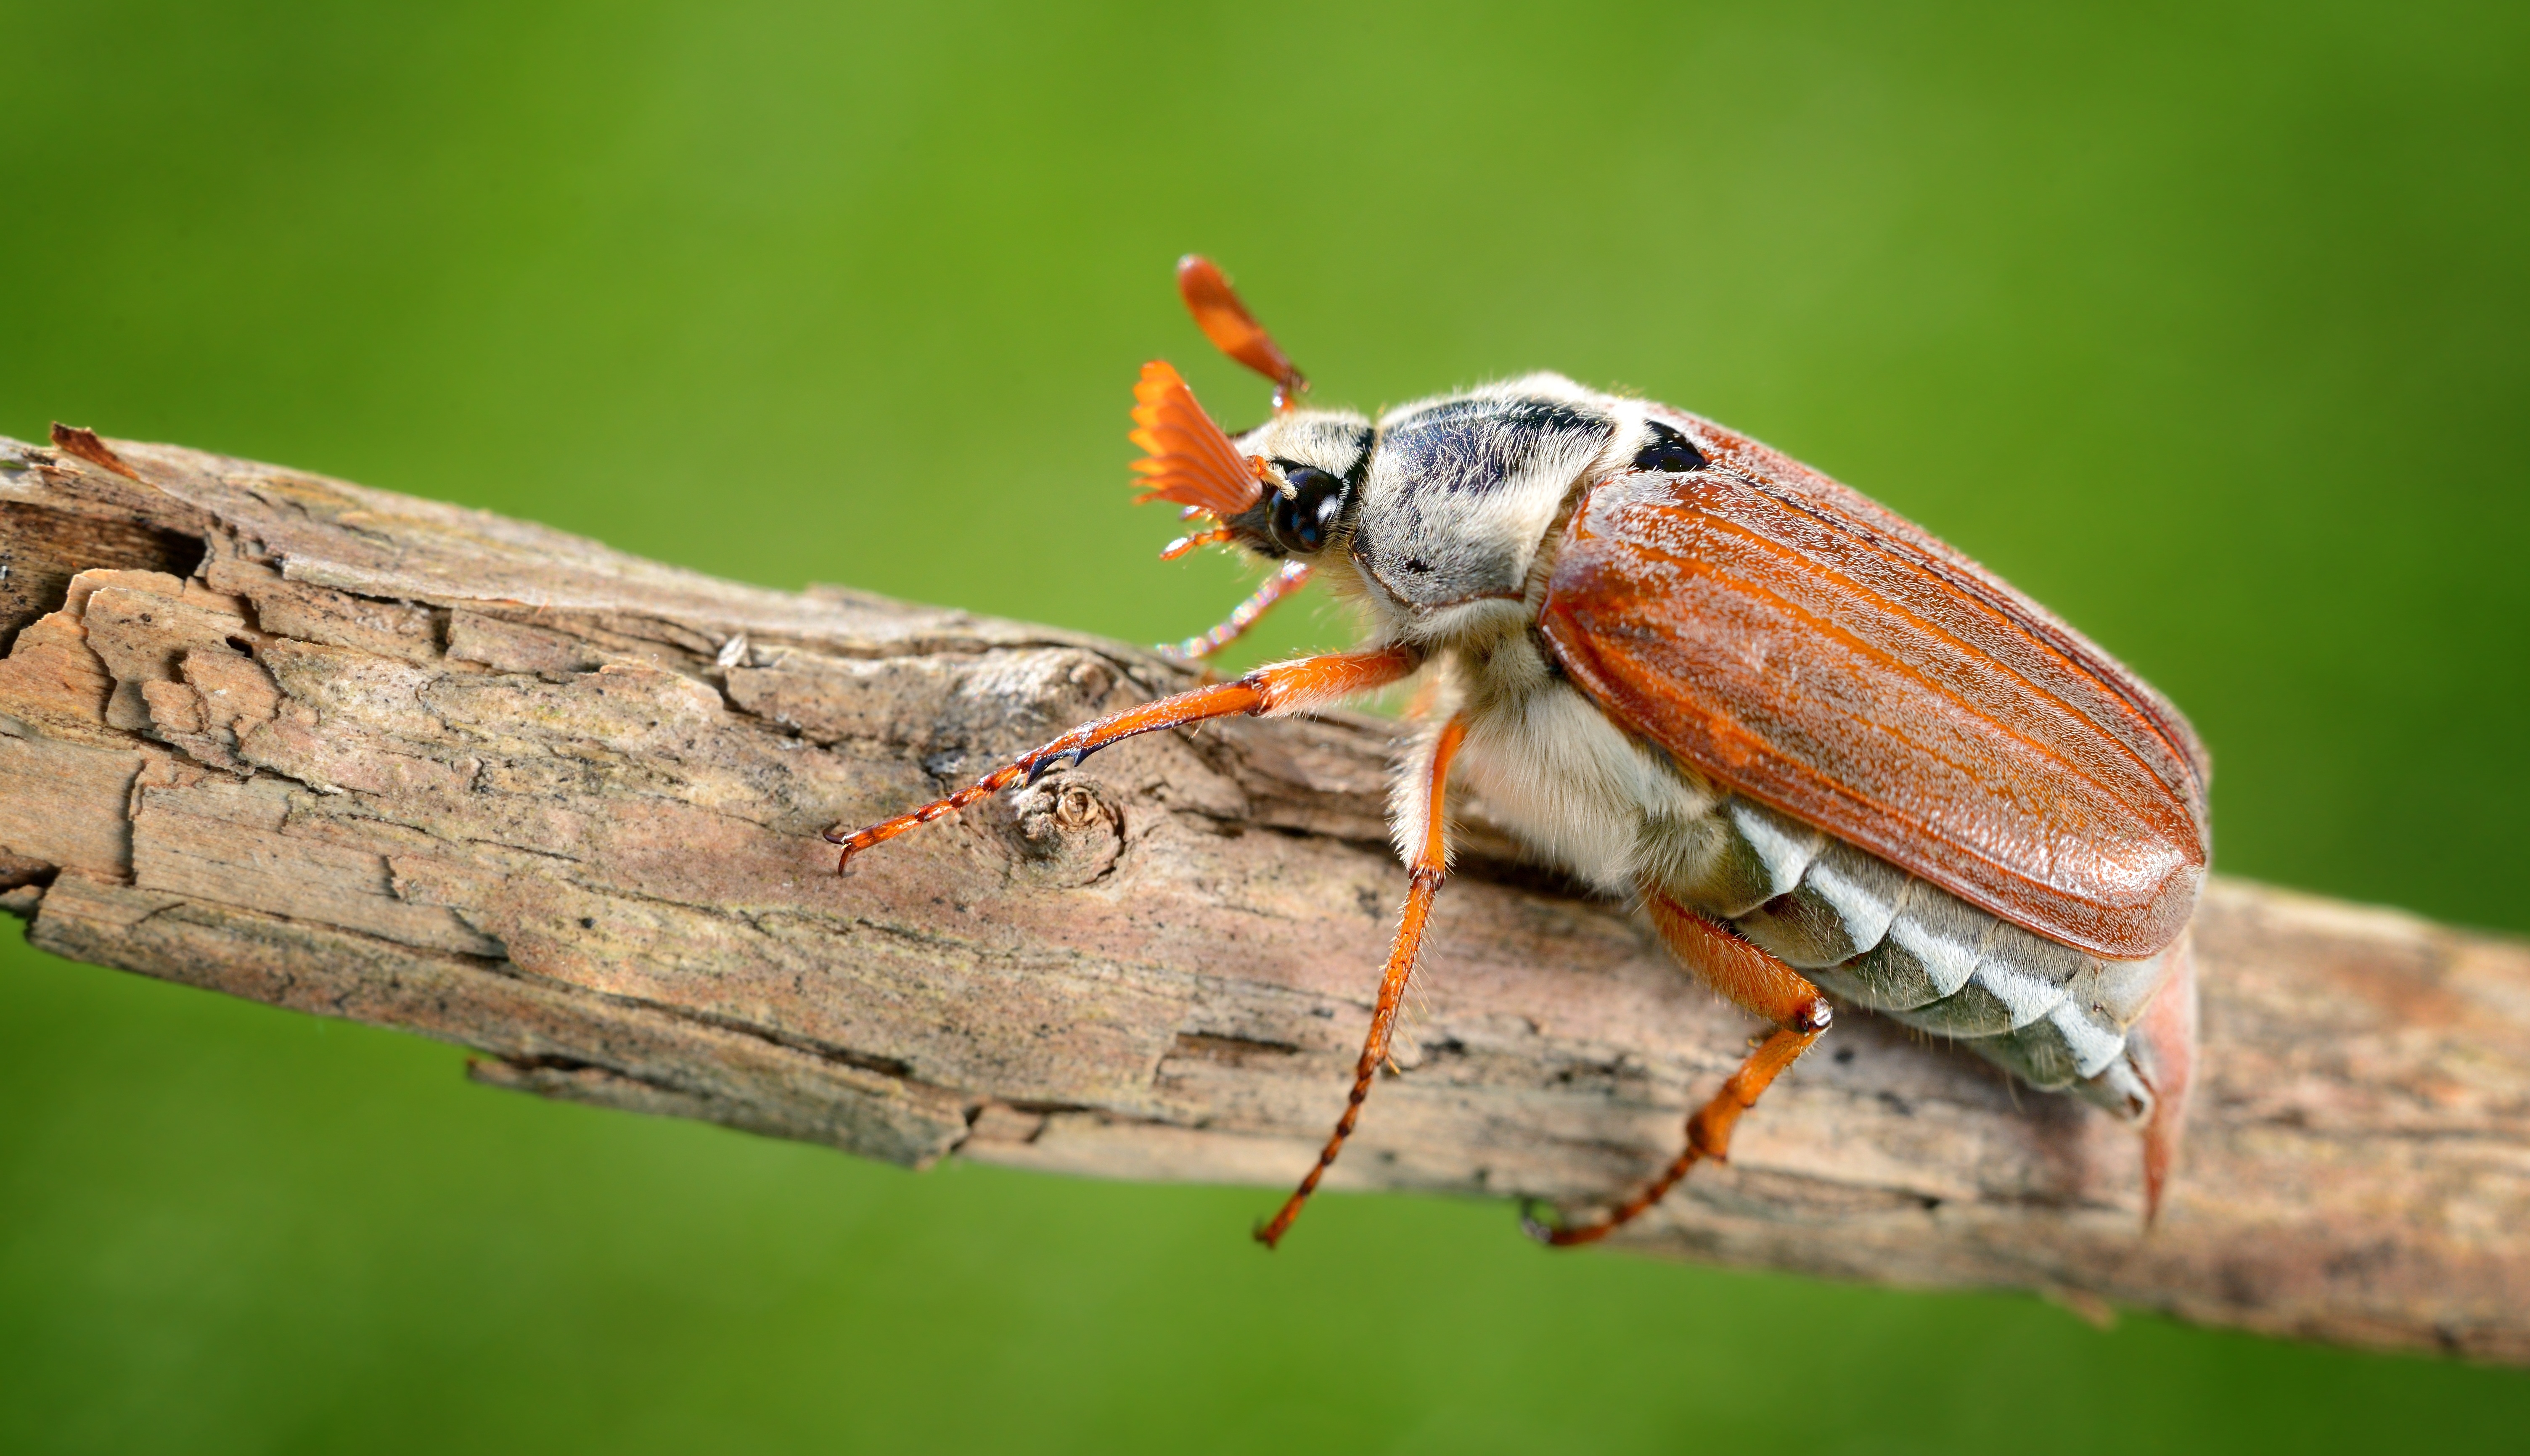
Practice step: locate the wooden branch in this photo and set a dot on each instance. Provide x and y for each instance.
(373, 757)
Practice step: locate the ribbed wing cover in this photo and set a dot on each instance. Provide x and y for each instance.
(1807, 648)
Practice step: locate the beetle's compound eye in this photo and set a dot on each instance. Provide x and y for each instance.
(1670, 453)
(1301, 519)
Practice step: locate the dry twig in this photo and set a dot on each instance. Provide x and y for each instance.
(373, 757)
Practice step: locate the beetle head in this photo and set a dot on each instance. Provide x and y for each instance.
(1318, 457)
(1284, 488)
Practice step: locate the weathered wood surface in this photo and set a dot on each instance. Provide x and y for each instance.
(373, 757)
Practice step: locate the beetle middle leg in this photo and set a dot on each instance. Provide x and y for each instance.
(1754, 978)
(1431, 860)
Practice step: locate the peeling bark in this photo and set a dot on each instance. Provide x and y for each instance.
(373, 757)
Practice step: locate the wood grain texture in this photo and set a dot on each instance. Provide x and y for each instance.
(373, 757)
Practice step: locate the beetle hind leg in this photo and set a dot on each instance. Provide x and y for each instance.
(1754, 978)
(1430, 862)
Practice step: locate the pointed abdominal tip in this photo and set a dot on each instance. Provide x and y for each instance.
(2167, 1037)
(1186, 457)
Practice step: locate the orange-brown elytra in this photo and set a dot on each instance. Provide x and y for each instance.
(1828, 756)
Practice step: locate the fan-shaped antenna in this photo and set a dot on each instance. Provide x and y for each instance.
(1186, 457)
(1234, 331)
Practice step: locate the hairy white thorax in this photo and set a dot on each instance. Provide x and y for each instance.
(1460, 503)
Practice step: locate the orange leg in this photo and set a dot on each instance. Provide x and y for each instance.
(1217, 536)
(1284, 688)
(1755, 980)
(1291, 578)
(1431, 860)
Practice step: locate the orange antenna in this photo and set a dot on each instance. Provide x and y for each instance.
(1234, 331)
(1186, 457)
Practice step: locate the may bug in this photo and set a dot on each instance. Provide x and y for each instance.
(1827, 754)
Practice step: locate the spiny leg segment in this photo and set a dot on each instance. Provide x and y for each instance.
(1291, 578)
(1282, 687)
(1755, 980)
(1215, 536)
(1431, 860)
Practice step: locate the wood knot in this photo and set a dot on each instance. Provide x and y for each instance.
(1068, 831)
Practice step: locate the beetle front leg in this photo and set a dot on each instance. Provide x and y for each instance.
(1290, 578)
(1282, 687)
(1430, 862)
(1754, 978)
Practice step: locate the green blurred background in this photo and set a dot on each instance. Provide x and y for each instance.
(2204, 324)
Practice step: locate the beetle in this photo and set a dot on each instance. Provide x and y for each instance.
(1831, 757)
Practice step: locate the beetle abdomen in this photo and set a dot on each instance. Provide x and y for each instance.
(1877, 936)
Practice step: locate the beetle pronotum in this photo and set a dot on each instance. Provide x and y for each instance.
(1827, 754)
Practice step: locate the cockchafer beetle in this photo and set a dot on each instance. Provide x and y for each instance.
(1827, 754)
